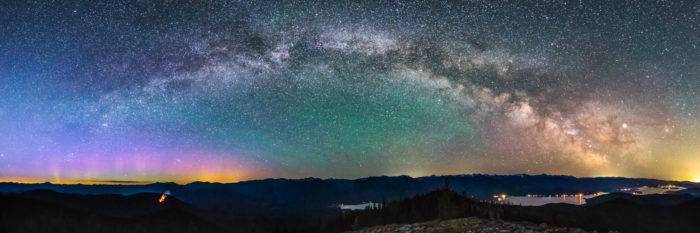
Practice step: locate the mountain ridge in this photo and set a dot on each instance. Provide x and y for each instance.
(318, 194)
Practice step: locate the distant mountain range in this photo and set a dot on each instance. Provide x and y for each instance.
(50, 211)
(282, 195)
(307, 205)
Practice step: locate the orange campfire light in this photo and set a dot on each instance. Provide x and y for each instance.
(162, 198)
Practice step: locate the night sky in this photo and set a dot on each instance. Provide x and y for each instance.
(112, 91)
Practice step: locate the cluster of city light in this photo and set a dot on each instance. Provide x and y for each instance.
(501, 197)
(163, 196)
(644, 190)
(579, 195)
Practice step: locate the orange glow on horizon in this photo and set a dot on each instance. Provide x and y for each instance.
(198, 178)
(232, 177)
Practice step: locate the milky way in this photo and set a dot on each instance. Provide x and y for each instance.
(227, 91)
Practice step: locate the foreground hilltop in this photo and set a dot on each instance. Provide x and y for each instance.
(623, 214)
(442, 210)
(313, 194)
(42, 211)
(468, 225)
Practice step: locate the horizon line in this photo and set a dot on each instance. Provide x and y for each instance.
(147, 182)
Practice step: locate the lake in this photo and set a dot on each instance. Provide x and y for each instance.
(537, 200)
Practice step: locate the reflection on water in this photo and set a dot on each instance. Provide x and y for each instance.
(646, 190)
(360, 206)
(537, 200)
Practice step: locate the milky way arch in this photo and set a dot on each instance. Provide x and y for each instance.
(224, 91)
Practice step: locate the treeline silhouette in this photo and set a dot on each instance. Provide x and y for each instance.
(441, 204)
(32, 214)
(49, 211)
(313, 193)
(40, 211)
(621, 215)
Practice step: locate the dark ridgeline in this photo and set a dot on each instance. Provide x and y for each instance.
(306, 205)
(48, 211)
(39, 211)
(651, 199)
(620, 212)
(318, 194)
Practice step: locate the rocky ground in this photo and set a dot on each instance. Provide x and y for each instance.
(469, 225)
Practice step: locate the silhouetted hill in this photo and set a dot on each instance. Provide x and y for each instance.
(109, 204)
(618, 214)
(652, 199)
(290, 196)
(48, 211)
(695, 191)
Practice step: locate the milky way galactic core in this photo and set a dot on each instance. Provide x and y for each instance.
(115, 91)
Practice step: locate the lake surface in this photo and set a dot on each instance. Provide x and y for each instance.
(533, 200)
(538, 200)
(359, 206)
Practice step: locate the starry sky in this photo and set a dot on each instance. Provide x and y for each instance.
(115, 91)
